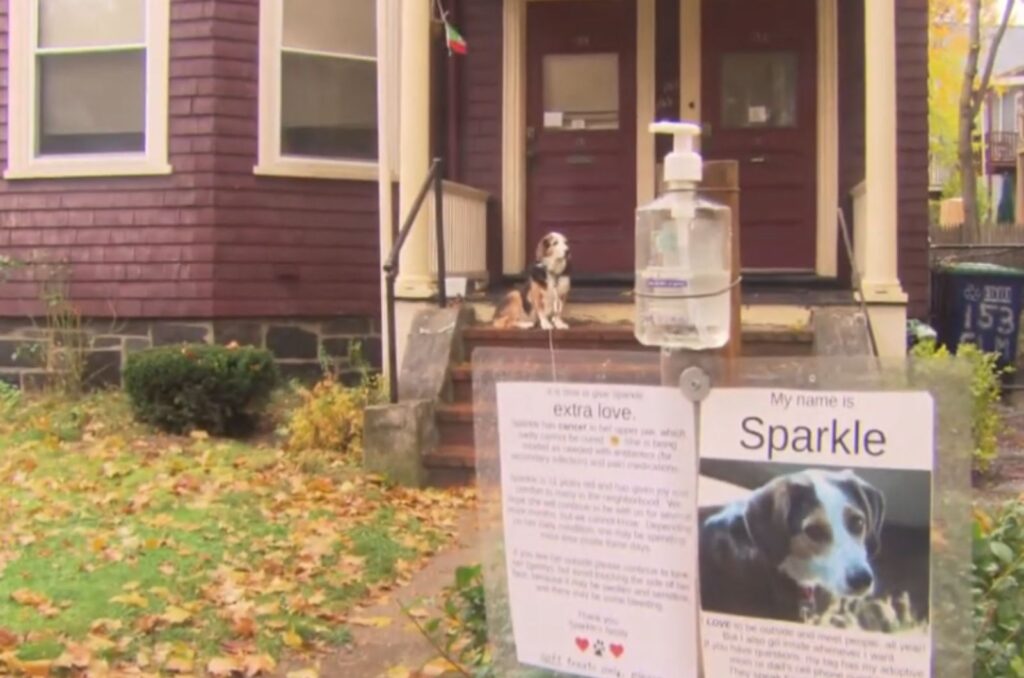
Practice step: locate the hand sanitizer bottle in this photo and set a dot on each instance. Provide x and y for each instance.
(683, 256)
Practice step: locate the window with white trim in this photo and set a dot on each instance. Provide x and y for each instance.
(318, 88)
(88, 88)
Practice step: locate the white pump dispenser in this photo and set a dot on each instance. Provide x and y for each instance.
(683, 255)
(683, 167)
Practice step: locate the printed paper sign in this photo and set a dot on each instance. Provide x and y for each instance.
(757, 115)
(553, 119)
(598, 499)
(815, 533)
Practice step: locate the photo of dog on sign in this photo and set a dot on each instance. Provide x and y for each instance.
(816, 545)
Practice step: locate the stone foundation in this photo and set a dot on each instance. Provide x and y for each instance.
(296, 343)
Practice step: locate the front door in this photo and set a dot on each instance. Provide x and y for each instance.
(759, 76)
(581, 129)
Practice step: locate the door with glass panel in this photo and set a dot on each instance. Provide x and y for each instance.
(759, 81)
(581, 129)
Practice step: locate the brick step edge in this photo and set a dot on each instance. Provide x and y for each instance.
(451, 456)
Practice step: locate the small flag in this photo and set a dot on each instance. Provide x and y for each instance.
(456, 43)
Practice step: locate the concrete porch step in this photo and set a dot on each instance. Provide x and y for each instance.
(595, 354)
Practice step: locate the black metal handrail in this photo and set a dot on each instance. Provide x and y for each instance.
(435, 180)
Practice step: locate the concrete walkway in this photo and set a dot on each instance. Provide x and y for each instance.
(374, 651)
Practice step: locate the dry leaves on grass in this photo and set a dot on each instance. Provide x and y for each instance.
(124, 551)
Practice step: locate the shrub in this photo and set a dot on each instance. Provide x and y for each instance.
(460, 634)
(986, 388)
(331, 417)
(997, 581)
(10, 398)
(221, 390)
(331, 414)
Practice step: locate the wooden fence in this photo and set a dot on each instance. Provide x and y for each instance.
(988, 234)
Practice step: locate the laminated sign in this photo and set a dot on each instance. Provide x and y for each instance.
(798, 545)
(599, 508)
(815, 533)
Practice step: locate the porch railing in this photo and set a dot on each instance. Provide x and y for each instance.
(1002, 150)
(465, 232)
(433, 180)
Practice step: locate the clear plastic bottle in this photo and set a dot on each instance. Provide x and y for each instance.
(683, 257)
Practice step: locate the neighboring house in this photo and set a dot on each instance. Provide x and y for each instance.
(211, 168)
(1001, 128)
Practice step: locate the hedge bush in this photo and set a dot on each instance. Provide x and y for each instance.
(998, 585)
(220, 390)
(986, 389)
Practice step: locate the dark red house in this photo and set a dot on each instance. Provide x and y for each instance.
(211, 169)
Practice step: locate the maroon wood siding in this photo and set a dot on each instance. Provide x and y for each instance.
(211, 239)
(480, 116)
(912, 135)
(911, 130)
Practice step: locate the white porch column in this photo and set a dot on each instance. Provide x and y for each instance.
(878, 246)
(414, 279)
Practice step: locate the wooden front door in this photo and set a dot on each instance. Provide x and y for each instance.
(759, 81)
(581, 129)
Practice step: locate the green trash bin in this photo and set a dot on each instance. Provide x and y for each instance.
(978, 303)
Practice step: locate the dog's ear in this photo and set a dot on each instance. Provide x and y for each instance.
(543, 246)
(871, 501)
(773, 514)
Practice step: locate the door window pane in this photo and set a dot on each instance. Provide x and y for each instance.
(336, 26)
(91, 23)
(92, 103)
(581, 91)
(329, 107)
(759, 90)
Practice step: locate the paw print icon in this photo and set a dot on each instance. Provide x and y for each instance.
(599, 648)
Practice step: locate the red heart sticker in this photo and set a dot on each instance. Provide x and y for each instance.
(582, 644)
(616, 650)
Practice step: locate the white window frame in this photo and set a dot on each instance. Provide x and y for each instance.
(22, 160)
(270, 160)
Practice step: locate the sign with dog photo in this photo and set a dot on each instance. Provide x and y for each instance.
(814, 531)
(599, 496)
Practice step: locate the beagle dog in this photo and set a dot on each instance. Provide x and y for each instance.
(543, 298)
(766, 555)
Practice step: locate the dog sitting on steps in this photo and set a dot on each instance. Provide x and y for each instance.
(542, 299)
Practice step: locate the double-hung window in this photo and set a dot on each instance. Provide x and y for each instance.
(318, 88)
(88, 88)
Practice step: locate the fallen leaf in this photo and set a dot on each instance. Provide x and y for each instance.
(371, 622)
(179, 665)
(303, 673)
(437, 667)
(176, 615)
(259, 663)
(223, 666)
(292, 639)
(8, 639)
(28, 598)
(133, 599)
(75, 656)
(399, 671)
(244, 627)
(40, 667)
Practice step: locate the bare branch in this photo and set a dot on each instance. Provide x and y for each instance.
(990, 58)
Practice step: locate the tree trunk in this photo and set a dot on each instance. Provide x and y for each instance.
(971, 99)
(965, 147)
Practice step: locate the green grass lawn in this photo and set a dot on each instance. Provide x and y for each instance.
(122, 548)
